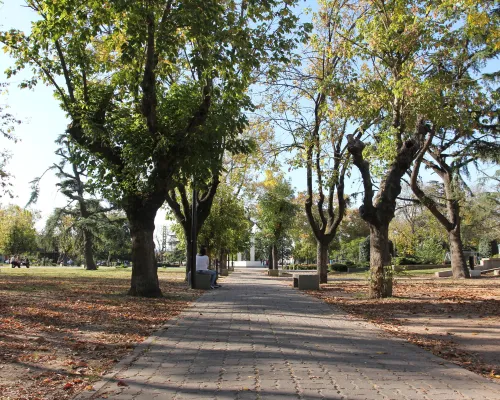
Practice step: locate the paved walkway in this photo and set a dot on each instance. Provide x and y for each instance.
(255, 338)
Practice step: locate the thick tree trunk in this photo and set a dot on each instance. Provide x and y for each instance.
(88, 252)
(223, 261)
(144, 269)
(458, 261)
(274, 252)
(380, 258)
(322, 261)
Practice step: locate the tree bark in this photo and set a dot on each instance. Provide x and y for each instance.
(274, 253)
(380, 258)
(322, 260)
(223, 260)
(270, 262)
(458, 261)
(88, 252)
(188, 257)
(144, 269)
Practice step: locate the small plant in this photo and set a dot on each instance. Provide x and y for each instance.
(338, 267)
(407, 260)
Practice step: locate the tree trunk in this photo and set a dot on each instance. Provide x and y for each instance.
(322, 262)
(144, 269)
(270, 257)
(188, 257)
(108, 261)
(88, 253)
(458, 262)
(380, 258)
(274, 252)
(223, 261)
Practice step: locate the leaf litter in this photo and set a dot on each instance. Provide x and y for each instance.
(458, 321)
(60, 332)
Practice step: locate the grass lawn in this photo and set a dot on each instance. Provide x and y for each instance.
(458, 320)
(62, 328)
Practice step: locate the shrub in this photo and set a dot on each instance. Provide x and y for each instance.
(407, 260)
(430, 252)
(306, 266)
(338, 267)
(488, 248)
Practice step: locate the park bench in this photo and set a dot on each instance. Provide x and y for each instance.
(306, 281)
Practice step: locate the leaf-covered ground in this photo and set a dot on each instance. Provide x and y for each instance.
(61, 328)
(456, 320)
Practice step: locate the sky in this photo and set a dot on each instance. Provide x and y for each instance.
(42, 122)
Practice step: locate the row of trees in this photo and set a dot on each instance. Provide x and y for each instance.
(159, 93)
(387, 87)
(156, 94)
(63, 237)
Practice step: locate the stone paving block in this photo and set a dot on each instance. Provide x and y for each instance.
(263, 340)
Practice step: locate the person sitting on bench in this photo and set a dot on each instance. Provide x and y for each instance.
(202, 263)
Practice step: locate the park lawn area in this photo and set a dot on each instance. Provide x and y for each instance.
(456, 320)
(62, 328)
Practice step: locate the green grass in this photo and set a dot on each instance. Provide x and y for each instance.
(403, 274)
(68, 272)
(418, 272)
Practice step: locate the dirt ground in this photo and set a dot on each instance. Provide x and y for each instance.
(456, 320)
(61, 329)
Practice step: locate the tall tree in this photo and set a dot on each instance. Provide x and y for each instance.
(112, 236)
(235, 167)
(151, 88)
(86, 211)
(276, 212)
(386, 103)
(17, 231)
(60, 236)
(227, 229)
(465, 120)
(307, 103)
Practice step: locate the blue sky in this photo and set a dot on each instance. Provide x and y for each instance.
(42, 121)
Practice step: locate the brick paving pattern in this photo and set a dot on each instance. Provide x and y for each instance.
(256, 338)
